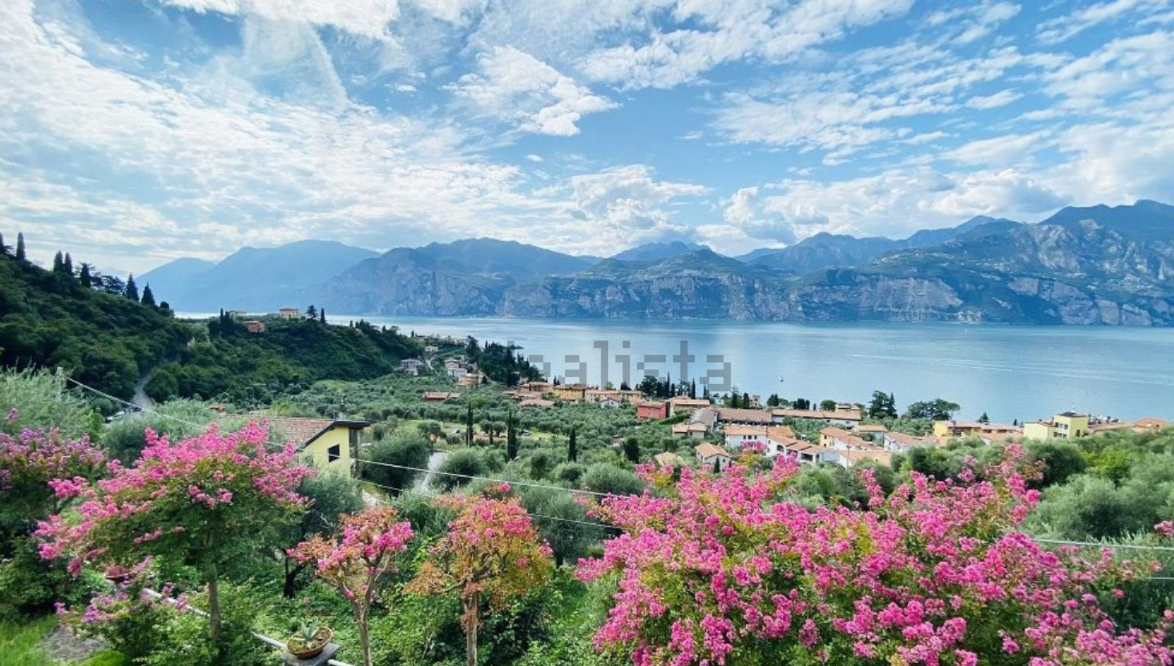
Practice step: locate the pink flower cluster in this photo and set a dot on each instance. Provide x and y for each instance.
(933, 574)
(172, 491)
(358, 559)
(32, 463)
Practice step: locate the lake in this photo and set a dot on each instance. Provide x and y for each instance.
(1011, 372)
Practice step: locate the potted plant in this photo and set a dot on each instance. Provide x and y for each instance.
(309, 641)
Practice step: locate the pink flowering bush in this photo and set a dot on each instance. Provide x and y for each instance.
(731, 569)
(359, 560)
(492, 553)
(39, 469)
(206, 501)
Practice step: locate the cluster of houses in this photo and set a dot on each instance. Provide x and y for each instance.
(454, 368)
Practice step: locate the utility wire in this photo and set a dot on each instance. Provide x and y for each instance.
(524, 484)
(132, 405)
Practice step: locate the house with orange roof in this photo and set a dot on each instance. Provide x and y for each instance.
(711, 455)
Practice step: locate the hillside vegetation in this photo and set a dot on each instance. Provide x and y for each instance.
(51, 319)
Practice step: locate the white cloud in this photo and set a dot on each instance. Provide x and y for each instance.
(721, 31)
(625, 205)
(515, 87)
(983, 20)
(1002, 150)
(1065, 27)
(368, 18)
(993, 101)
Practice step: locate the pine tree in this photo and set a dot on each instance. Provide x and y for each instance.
(68, 265)
(85, 278)
(132, 290)
(20, 255)
(984, 418)
(148, 297)
(311, 312)
(572, 447)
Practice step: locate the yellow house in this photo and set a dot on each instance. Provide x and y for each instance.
(1067, 425)
(326, 444)
(570, 392)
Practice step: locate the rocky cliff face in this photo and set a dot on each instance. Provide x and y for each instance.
(1075, 271)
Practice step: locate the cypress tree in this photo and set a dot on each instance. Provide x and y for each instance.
(85, 278)
(3, 247)
(58, 263)
(148, 297)
(322, 315)
(20, 256)
(469, 426)
(572, 447)
(132, 289)
(717, 465)
(68, 265)
(511, 436)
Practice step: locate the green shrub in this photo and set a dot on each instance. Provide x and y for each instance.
(605, 478)
(406, 449)
(43, 400)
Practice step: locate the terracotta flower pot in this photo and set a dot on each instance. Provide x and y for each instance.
(299, 648)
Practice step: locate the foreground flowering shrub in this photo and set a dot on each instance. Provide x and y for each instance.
(205, 501)
(359, 560)
(37, 469)
(732, 570)
(492, 553)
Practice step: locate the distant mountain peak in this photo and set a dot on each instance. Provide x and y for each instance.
(658, 251)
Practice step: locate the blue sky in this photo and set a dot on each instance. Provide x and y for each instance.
(132, 133)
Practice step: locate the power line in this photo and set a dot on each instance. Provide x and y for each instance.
(1098, 544)
(132, 405)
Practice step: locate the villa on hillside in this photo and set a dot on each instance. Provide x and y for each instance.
(840, 439)
(954, 428)
(899, 442)
(711, 455)
(652, 411)
(693, 430)
(1065, 425)
(744, 416)
(848, 417)
(255, 326)
(682, 404)
(327, 444)
(289, 313)
(411, 366)
(570, 392)
(440, 396)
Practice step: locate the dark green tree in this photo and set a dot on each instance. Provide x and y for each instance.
(322, 316)
(58, 264)
(311, 312)
(84, 277)
(632, 449)
(572, 446)
(3, 247)
(404, 450)
(984, 418)
(68, 265)
(148, 297)
(132, 290)
(469, 425)
(511, 436)
(882, 406)
(20, 253)
(717, 466)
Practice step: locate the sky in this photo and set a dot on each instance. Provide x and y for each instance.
(136, 132)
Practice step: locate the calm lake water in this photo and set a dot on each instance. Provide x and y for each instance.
(1010, 372)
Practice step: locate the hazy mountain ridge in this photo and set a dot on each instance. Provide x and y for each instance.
(1097, 265)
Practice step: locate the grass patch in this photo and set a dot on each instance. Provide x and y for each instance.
(19, 646)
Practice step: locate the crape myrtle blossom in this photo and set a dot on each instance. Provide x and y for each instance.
(40, 469)
(492, 553)
(732, 569)
(359, 560)
(205, 500)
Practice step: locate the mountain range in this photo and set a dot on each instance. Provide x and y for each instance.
(1091, 265)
